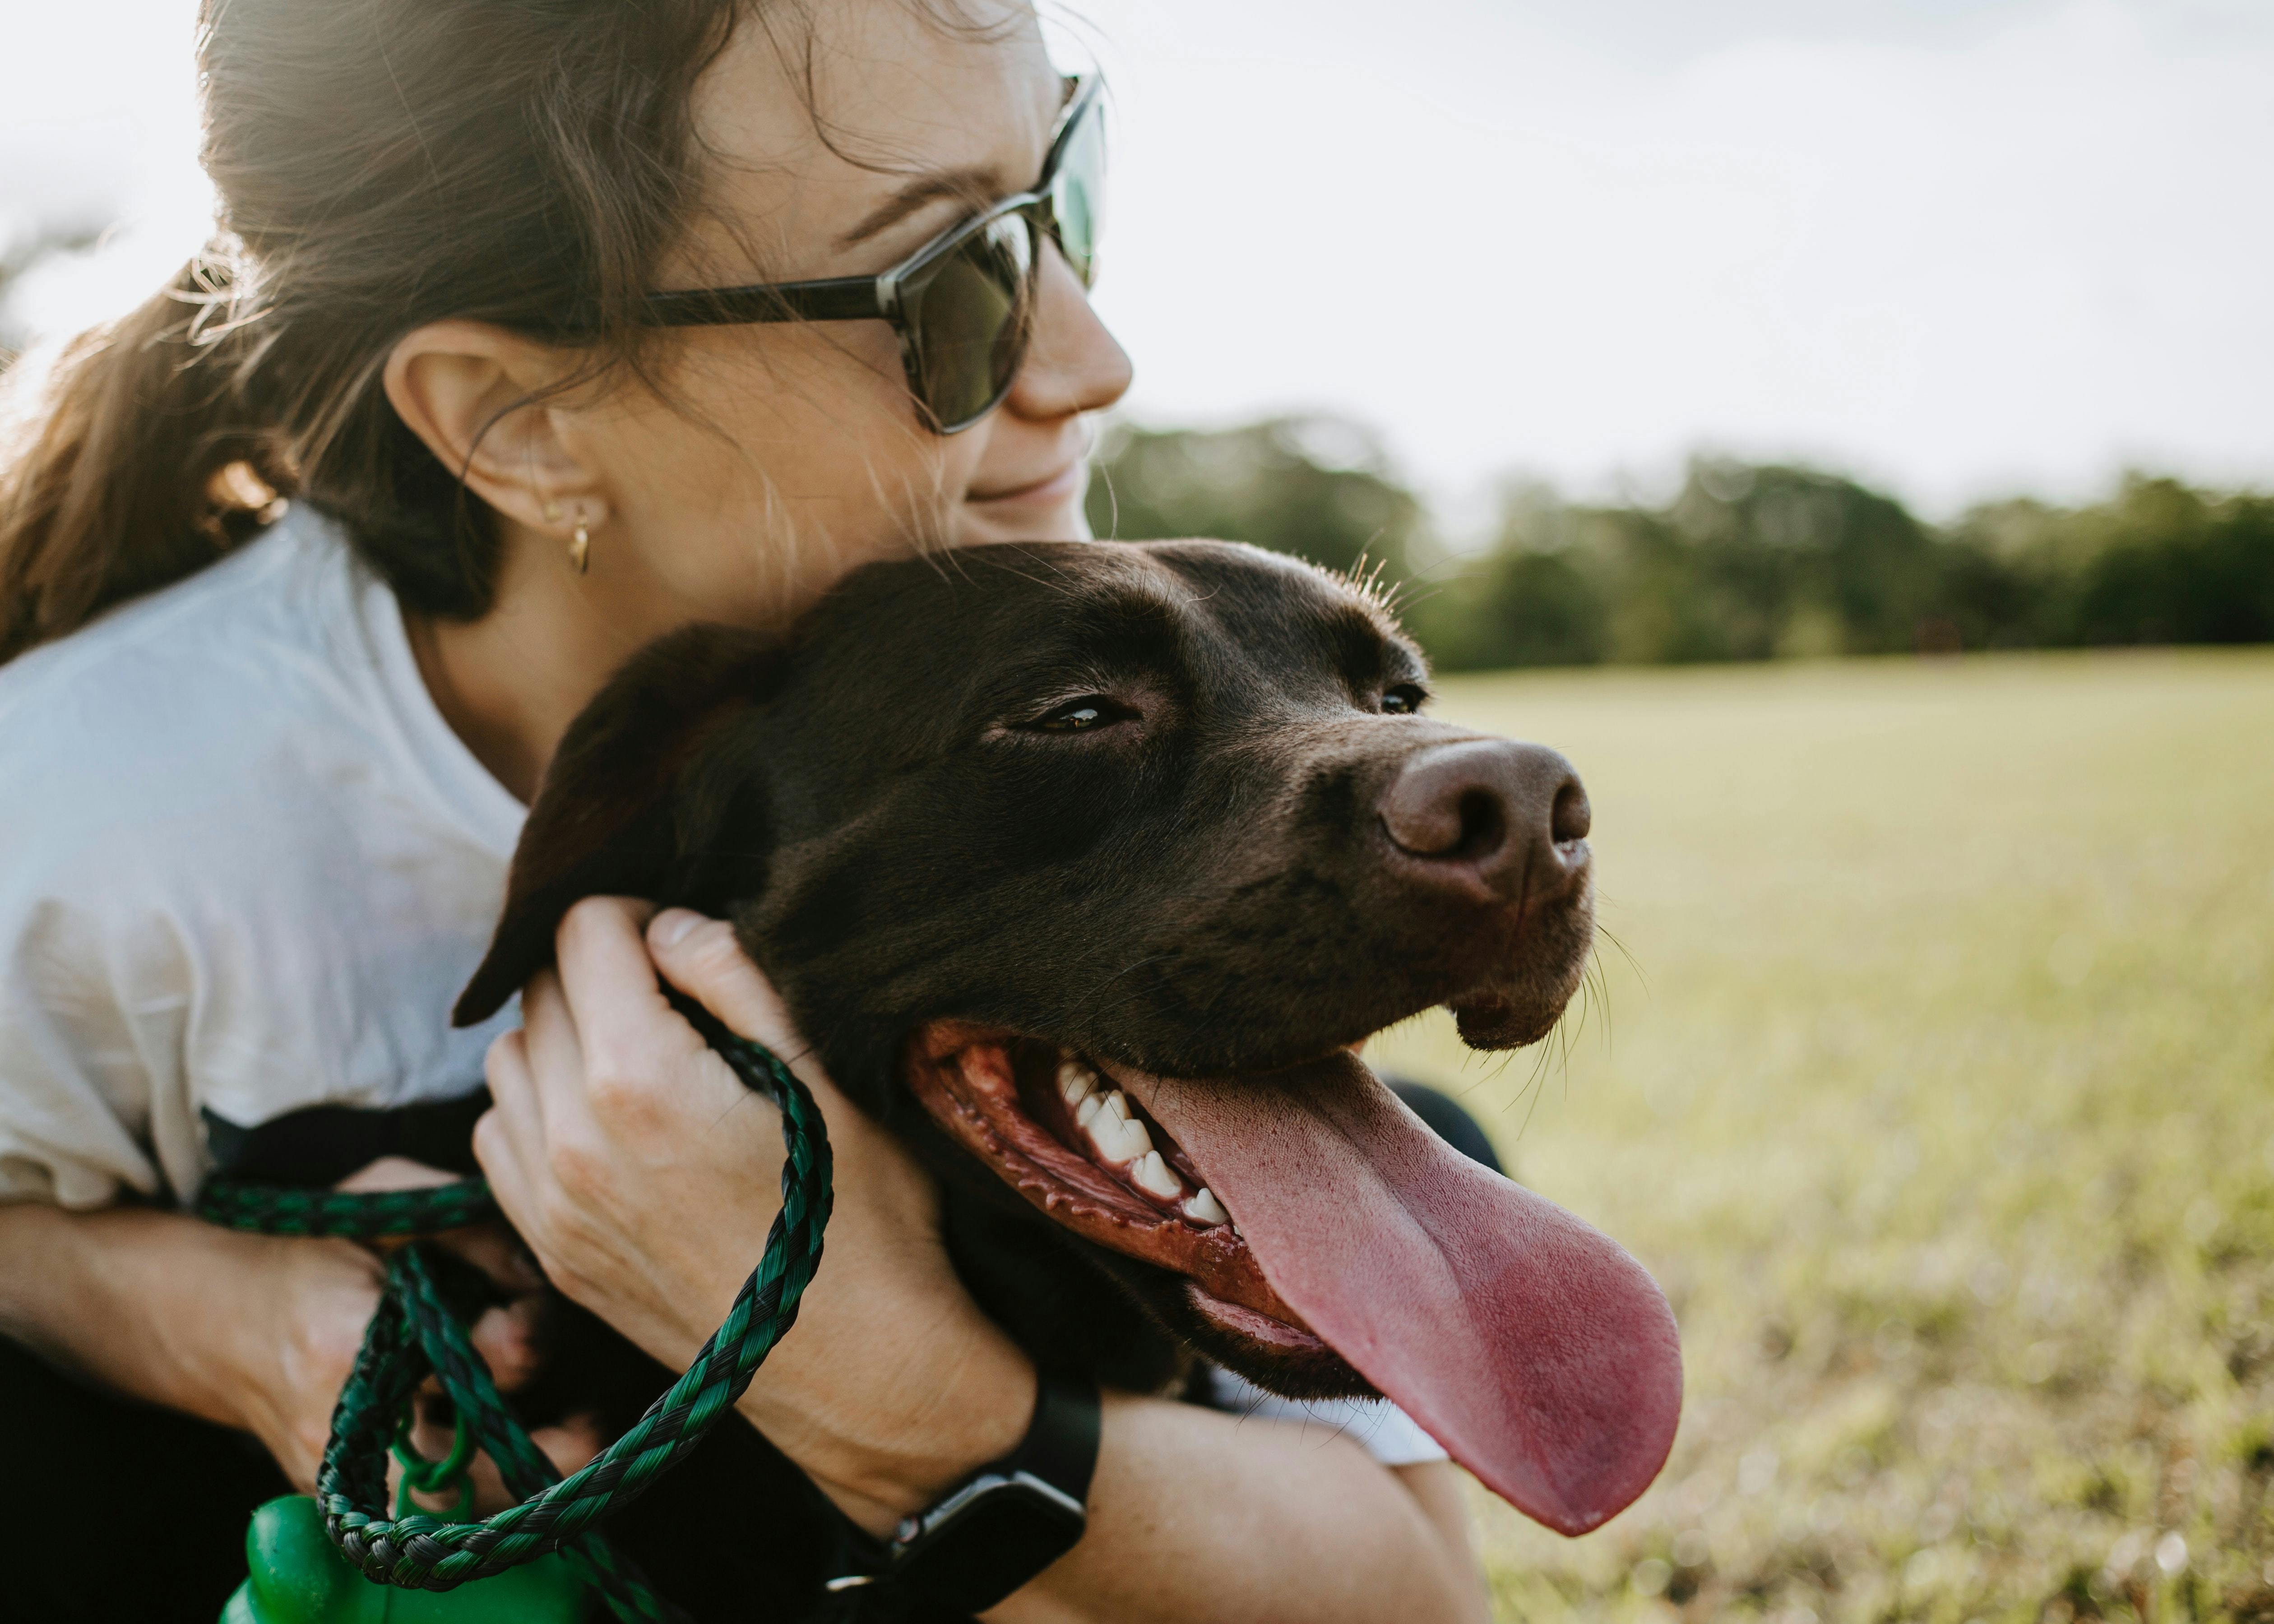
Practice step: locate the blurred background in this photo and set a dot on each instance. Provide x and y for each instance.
(1843, 426)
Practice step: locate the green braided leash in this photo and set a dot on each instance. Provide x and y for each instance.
(413, 1335)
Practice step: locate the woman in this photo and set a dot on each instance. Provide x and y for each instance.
(272, 797)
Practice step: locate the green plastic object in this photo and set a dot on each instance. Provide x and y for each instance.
(300, 1578)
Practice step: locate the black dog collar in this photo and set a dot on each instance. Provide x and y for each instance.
(1002, 1524)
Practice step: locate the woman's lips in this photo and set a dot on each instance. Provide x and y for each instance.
(1050, 490)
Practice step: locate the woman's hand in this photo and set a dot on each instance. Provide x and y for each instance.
(644, 1175)
(320, 1296)
(295, 1347)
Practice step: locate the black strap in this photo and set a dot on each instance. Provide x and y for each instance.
(1060, 1447)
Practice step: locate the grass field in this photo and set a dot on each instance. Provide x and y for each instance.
(1936, 1085)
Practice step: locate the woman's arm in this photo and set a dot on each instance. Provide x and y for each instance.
(1196, 1515)
(252, 1332)
(249, 1331)
(643, 1174)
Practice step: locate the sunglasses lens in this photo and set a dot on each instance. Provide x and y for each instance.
(968, 322)
(1078, 192)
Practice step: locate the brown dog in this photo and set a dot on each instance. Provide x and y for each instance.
(1083, 866)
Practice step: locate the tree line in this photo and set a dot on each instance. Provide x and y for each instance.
(1745, 563)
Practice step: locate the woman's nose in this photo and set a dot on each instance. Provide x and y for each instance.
(1072, 363)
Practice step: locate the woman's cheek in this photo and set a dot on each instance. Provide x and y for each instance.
(784, 464)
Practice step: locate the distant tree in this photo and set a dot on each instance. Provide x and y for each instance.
(1320, 488)
(1525, 609)
(2160, 563)
(1533, 599)
(1805, 563)
(1746, 562)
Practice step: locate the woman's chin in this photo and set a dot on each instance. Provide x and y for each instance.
(1049, 513)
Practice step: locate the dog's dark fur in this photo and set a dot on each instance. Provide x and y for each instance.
(1199, 888)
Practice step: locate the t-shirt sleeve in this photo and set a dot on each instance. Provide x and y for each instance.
(1376, 1425)
(83, 1051)
(96, 982)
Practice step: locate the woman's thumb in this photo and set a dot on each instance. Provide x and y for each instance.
(701, 958)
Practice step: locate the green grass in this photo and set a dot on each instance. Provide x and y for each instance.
(1935, 1083)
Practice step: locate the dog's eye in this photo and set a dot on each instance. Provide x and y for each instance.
(1091, 710)
(1404, 699)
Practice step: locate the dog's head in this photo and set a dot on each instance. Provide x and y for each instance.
(1083, 865)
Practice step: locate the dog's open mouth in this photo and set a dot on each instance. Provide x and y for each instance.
(1311, 1214)
(1060, 1131)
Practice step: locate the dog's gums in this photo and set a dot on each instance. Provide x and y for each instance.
(1089, 1156)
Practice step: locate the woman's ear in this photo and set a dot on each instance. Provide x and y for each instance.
(625, 809)
(466, 388)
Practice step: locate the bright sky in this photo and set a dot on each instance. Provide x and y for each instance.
(1961, 247)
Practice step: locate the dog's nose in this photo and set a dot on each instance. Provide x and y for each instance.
(1511, 815)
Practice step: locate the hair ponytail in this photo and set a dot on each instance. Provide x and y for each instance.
(381, 164)
(137, 464)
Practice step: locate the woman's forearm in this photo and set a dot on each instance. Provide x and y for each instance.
(225, 1326)
(126, 1297)
(1196, 1515)
(142, 1302)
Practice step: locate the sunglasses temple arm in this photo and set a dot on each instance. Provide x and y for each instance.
(840, 298)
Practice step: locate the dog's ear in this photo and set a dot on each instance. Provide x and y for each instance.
(611, 817)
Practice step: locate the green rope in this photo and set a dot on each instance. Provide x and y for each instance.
(413, 1335)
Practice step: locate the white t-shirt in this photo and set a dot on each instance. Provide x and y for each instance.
(1376, 1425)
(247, 868)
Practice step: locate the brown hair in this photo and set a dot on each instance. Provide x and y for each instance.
(381, 164)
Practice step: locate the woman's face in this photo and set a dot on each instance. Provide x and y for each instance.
(771, 458)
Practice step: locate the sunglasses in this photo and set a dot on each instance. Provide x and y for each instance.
(963, 304)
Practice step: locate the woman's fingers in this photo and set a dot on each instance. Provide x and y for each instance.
(396, 1173)
(554, 1051)
(702, 958)
(513, 1122)
(510, 1137)
(571, 1445)
(493, 1249)
(604, 969)
(644, 1076)
(506, 1337)
(624, 1027)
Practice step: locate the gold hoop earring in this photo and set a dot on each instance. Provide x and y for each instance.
(580, 549)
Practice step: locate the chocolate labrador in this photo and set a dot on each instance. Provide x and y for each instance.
(1084, 867)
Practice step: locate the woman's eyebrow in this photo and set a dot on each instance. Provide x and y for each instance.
(977, 184)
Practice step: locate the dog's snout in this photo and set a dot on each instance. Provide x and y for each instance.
(1511, 815)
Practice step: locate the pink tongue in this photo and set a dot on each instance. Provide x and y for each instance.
(1533, 1348)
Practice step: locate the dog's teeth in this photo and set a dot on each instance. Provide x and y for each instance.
(1076, 1082)
(1205, 1208)
(1118, 1141)
(1151, 1175)
(1130, 1140)
(1119, 1138)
